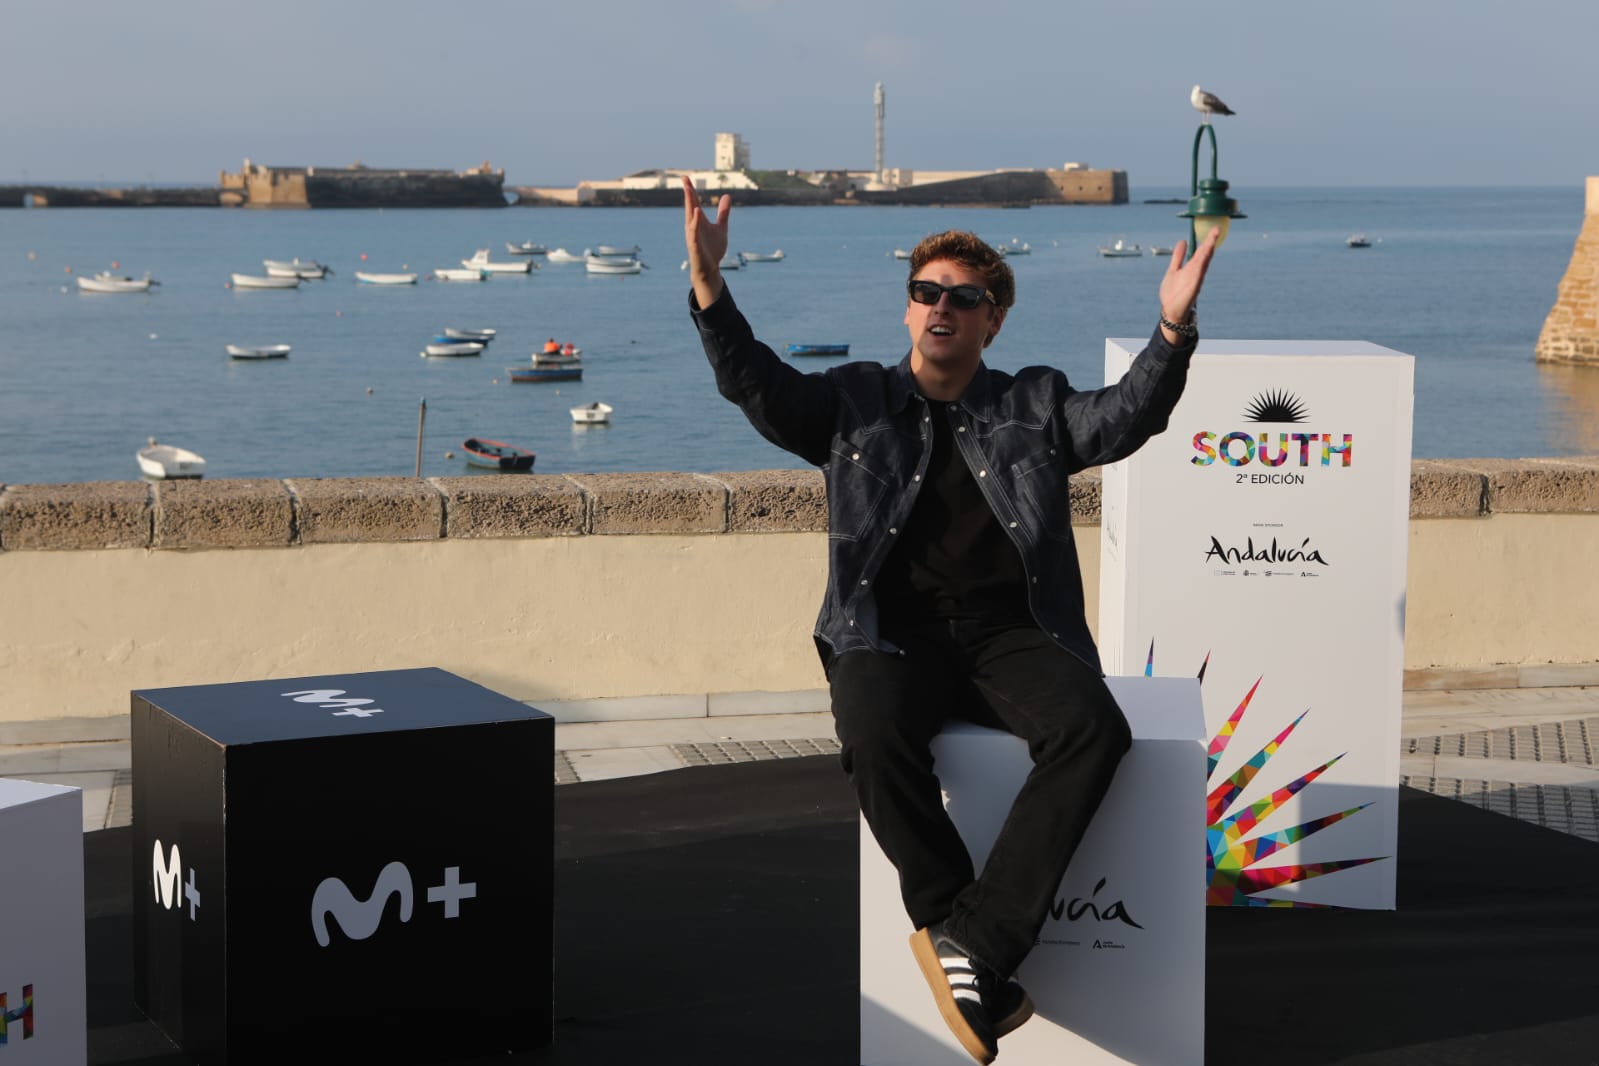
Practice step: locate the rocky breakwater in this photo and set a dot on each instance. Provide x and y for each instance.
(1571, 332)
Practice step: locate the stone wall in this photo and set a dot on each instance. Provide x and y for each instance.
(626, 595)
(1571, 332)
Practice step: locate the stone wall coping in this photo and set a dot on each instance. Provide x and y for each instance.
(266, 512)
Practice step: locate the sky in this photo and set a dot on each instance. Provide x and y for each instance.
(1363, 92)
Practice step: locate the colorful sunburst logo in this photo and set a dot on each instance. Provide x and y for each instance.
(1233, 874)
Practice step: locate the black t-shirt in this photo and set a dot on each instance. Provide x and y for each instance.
(953, 559)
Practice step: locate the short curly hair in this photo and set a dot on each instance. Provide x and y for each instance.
(973, 253)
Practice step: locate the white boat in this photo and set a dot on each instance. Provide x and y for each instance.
(458, 348)
(258, 351)
(166, 462)
(295, 268)
(459, 274)
(601, 264)
(561, 358)
(1358, 240)
(256, 281)
(368, 278)
(902, 253)
(482, 335)
(480, 261)
(762, 257)
(730, 261)
(561, 255)
(592, 413)
(525, 248)
(1160, 249)
(1119, 249)
(611, 249)
(1014, 248)
(107, 282)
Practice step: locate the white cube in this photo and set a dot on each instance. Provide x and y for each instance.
(43, 1012)
(1118, 975)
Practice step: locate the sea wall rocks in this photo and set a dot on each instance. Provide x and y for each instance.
(1571, 331)
(265, 512)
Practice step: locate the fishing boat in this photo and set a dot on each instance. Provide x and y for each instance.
(480, 261)
(1358, 240)
(481, 335)
(591, 414)
(1120, 249)
(559, 357)
(258, 351)
(1014, 248)
(561, 255)
(563, 372)
(818, 349)
(600, 264)
(105, 281)
(167, 462)
(256, 281)
(762, 257)
(368, 278)
(525, 248)
(459, 274)
(295, 268)
(731, 261)
(453, 348)
(1160, 249)
(611, 249)
(496, 454)
(902, 253)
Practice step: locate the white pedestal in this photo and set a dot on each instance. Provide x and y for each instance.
(1263, 537)
(1106, 990)
(41, 941)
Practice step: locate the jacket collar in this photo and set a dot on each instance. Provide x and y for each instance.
(977, 400)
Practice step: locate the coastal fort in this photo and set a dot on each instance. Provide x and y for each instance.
(257, 185)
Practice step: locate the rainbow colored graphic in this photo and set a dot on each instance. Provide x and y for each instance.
(1233, 876)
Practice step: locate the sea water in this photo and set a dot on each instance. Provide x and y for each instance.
(1460, 278)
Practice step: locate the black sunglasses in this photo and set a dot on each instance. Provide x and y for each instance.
(961, 297)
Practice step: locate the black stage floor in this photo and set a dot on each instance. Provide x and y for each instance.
(709, 916)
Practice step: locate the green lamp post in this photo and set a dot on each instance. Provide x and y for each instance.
(1209, 207)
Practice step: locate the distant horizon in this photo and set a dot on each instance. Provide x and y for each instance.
(112, 183)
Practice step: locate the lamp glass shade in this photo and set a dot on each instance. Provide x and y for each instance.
(1203, 224)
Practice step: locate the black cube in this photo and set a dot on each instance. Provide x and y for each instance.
(355, 865)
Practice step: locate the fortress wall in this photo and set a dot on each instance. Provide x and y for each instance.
(1571, 331)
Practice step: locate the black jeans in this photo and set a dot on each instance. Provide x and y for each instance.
(888, 708)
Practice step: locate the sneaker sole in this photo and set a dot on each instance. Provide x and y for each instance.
(933, 973)
(1015, 1019)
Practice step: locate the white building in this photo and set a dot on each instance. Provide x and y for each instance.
(732, 152)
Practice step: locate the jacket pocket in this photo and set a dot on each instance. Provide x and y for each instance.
(1042, 495)
(857, 489)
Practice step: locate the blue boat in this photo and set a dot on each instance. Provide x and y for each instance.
(818, 349)
(496, 455)
(568, 372)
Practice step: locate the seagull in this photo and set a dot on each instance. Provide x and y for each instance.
(1208, 103)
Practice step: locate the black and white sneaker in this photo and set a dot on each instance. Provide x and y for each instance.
(962, 988)
(1011, 1007)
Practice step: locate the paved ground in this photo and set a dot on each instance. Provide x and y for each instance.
(1530, 753)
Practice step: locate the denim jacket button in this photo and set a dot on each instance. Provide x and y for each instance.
(857, 455)
(1012, 525)
(982, 473)
(894, 530)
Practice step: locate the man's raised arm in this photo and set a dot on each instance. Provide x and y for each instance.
(706, 242)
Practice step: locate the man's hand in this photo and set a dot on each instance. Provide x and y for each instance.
(706, 242)
(1179, 289)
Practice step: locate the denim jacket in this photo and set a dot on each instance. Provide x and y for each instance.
(865, 425)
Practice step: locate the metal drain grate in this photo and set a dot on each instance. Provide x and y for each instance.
(714, 753)
(565, 773)
(1558, 807)
(1553, 742)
